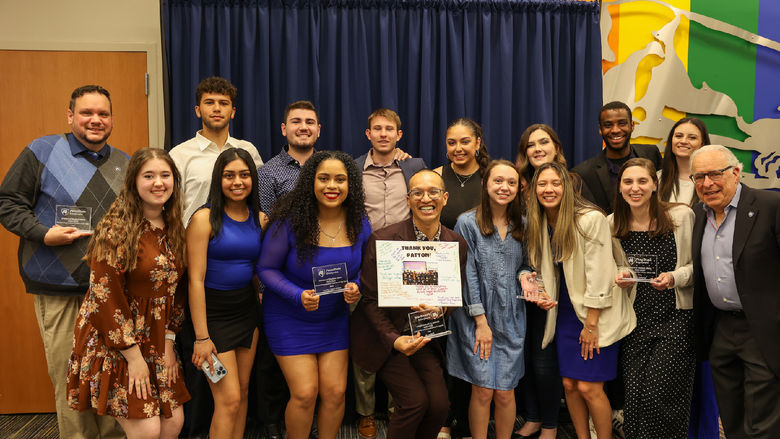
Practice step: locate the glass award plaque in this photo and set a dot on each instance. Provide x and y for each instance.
(429, 324)
(74, 216)
(542, 295)
(642, 268)
(329, 279)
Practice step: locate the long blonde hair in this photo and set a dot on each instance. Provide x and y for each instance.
(117, 234)
(572, 206)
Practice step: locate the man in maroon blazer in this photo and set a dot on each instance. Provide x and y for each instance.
(381, 342)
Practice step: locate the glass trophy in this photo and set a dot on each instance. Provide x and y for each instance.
(641, 268)
(74, 216)
(428, 324)
(542, 296)
(329, 279)
(537, 280)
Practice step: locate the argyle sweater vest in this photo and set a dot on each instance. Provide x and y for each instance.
(65, 179)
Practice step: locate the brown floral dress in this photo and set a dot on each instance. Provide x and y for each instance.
(120, 309)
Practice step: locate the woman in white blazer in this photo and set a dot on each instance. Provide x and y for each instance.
(658, 358)
(569, 245)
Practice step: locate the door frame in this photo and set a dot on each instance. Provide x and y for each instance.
(154, 68)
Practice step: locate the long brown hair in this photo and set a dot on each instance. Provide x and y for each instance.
(117, 234)
(514, 211)
(670, 174)
(659, 210)
(566, 227)
(481, 156)
(522, 163)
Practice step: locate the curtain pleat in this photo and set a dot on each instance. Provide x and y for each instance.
(505, 64)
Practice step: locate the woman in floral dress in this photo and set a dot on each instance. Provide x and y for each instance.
(124, 363)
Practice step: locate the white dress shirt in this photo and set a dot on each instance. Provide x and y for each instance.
(195, 160)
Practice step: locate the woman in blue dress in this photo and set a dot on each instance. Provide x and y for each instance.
(223, 245)
(322, 221)
(569, 244)
(488, 333)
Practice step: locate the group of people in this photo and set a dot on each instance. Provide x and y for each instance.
(210, 238)
(430, 277)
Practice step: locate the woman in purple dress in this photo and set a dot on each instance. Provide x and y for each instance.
(321, 222)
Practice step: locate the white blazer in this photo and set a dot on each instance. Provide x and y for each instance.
(590, 278)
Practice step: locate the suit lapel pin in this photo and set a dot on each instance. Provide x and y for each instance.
(750, 214)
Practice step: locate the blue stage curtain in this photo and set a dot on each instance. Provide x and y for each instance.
(506, 64)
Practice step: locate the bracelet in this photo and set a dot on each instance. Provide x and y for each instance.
(171, 337)
(202, 340)
(586, 328)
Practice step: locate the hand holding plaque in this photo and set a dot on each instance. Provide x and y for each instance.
(641, 268)
(329, 279)
(427, 321)
(627, 274)
(535, 292)
(77, 217)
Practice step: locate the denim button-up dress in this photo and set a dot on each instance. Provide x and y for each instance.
(491, 288)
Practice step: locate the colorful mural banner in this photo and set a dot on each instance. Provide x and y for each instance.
(718, 60)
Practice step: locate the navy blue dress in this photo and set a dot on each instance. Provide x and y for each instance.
(602, 367)
(291, 330)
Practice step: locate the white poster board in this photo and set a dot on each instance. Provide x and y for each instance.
(413, 272)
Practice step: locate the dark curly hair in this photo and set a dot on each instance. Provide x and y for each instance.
(216, 85)
(216, 198)
(300, 209)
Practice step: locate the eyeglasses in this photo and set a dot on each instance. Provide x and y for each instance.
(417, 194)
(715, 176)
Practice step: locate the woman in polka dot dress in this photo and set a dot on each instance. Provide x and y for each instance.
(657, 359)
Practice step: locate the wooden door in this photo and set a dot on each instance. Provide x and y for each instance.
(35, 87)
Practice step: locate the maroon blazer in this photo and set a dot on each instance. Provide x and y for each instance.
(372, 329)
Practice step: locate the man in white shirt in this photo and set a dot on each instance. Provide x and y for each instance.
(195, 158)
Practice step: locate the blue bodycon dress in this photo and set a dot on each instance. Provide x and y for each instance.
(232, 308)
(291, 330)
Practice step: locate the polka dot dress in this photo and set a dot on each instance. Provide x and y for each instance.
(657, 359)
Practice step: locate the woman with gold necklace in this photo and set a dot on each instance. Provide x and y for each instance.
(321, 225)
(468, 158)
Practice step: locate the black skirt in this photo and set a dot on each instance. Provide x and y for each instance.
(232, 316)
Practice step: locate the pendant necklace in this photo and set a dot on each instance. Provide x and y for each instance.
(463, 182)
(332, 237)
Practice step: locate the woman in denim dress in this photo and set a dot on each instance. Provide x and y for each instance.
(488, 333)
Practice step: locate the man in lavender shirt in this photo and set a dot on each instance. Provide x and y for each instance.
(736, 256)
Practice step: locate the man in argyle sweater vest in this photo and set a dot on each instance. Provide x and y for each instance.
(74, 169)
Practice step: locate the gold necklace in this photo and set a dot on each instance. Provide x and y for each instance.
(332, 237)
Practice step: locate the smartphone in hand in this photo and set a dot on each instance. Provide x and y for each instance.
(219, 371)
